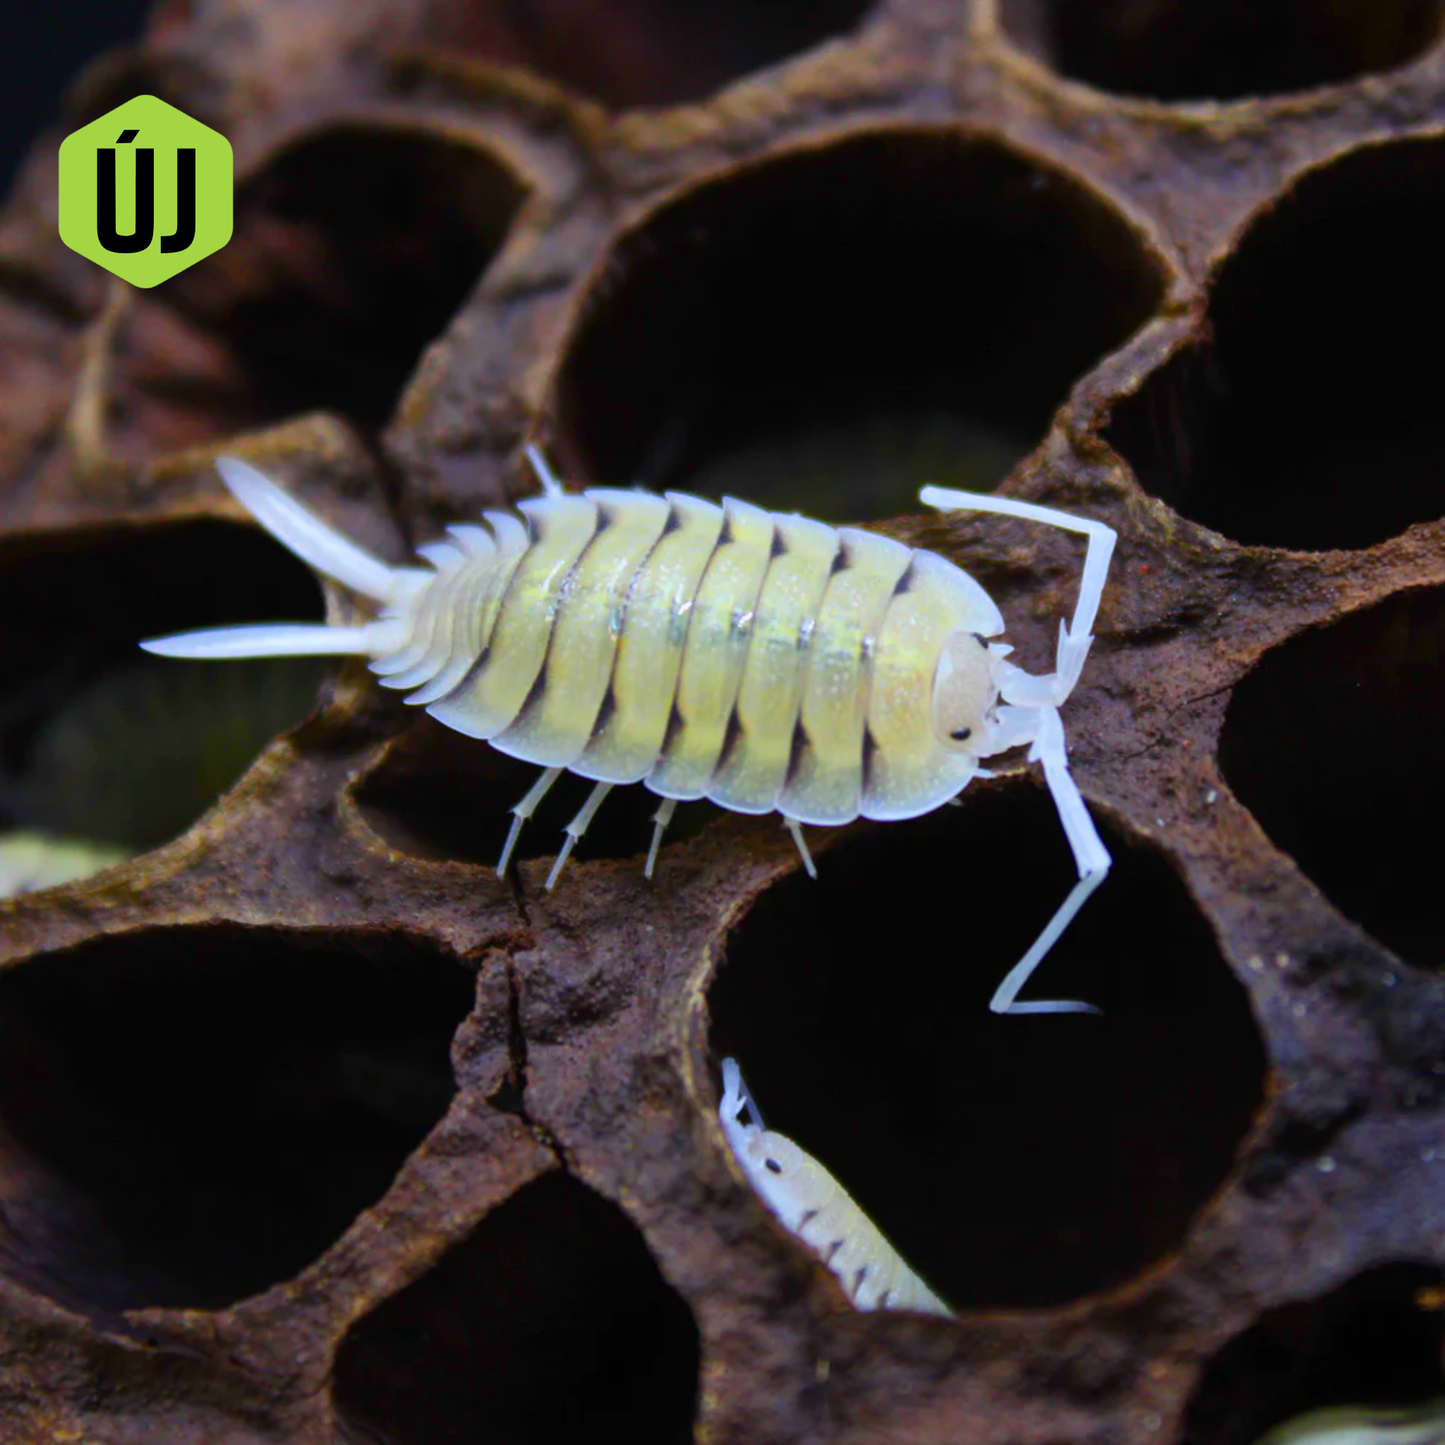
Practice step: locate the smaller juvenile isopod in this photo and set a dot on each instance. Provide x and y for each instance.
(815, 1207)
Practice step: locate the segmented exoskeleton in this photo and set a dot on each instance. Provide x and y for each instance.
(1422, 1424)
(763, 661)
(815, 1207)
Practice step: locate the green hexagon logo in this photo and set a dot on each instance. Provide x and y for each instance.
(145, 191)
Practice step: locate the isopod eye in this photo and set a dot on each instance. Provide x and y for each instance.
(963, 692)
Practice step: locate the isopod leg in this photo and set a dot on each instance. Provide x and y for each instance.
(1075, 638)
(660, 819)
(523, 811)
(796, 829)
(1032, 716)
(576, 828)
(736, 1099)
(1091, 858)
(551, 482)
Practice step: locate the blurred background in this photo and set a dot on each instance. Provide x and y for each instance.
(45, 46)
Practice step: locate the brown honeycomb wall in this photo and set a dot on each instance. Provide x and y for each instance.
(313, 1130)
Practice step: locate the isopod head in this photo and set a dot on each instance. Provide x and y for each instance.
(964, 693)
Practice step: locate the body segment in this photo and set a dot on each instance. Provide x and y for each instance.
(758, 741)
(825, 784)
(627, 741)
(494, 691)
(719, 631)
(559, 720)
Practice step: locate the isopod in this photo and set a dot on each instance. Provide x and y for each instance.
(763, 661)
(1364, 1425)
(815, 1207)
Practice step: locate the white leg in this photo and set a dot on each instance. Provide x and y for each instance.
(796, 829)
(660, 819)
(736, 1098)
(731, 1105)
(755, 1117)
(1074, 639)
(551, 482)
(523, 811)
(577, 827)
(1090, 857)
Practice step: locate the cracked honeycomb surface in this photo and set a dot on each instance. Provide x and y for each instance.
(313, 1130)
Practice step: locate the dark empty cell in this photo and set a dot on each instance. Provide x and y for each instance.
(828, 331)
(639, 52)
(139, 753)
(190, 1115)
(438, 794)
(1332, 743)
(1311, 419)
(1220, 49)
(49, 44)
(551, 1323)
(1377, 1340)
(1012, 1161)
(98, 740)
(351, 253)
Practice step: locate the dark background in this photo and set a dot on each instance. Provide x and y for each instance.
(44, 44)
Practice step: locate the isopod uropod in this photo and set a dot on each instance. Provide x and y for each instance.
(816, 1208)
(763, 661)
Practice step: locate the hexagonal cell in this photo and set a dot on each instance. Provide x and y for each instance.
(437, 794)
(829, 330)
(1220, 49)
(1011, 1161)
(190, 1115)
(1331, 743)
(638, 52)
(550, 1323)
(1306, 421)
(98, 741)
(352, 252)
(1377, 1340)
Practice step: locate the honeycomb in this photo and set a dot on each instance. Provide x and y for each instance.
(314, 1130)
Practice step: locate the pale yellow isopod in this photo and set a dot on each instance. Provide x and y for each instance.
(1364, 1425)
(815, 1207)
(760, 660)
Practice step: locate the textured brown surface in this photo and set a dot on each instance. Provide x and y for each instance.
(312, 1130)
